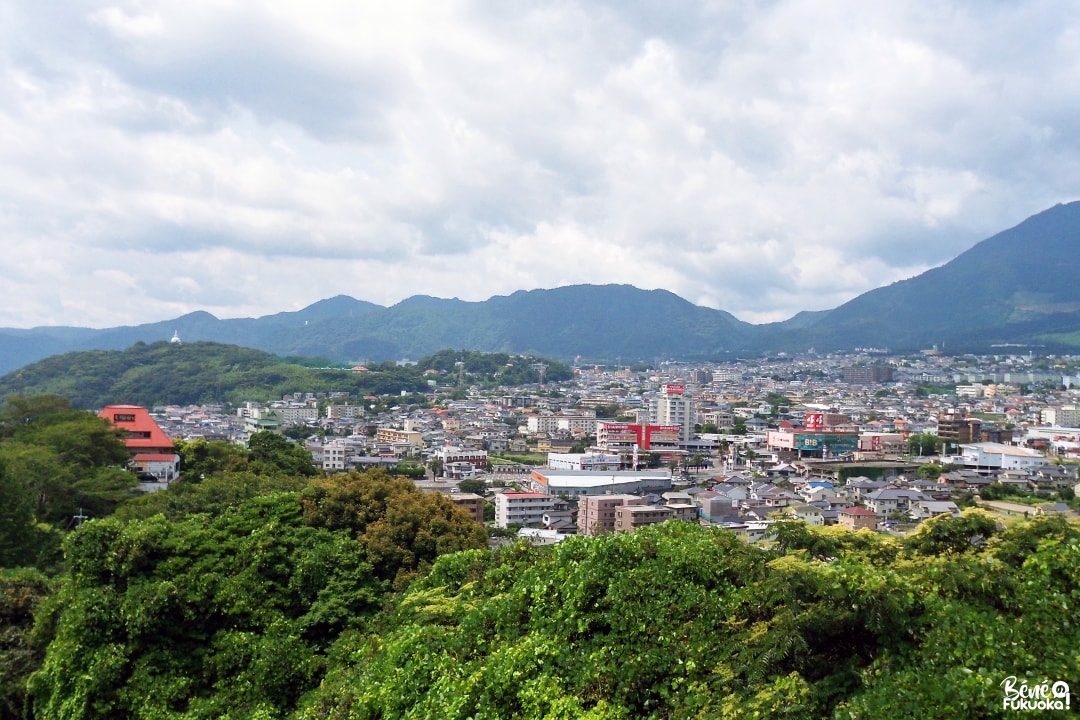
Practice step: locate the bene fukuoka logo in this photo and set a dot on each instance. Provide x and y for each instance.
(1044, 696)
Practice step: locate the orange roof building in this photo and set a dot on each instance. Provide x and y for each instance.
(141, 433)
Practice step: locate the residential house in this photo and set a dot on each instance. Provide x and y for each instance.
(809, 514)
(889, 500)
(924, 509)
(857, 518)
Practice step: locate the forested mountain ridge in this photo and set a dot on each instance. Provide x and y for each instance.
(1015, 287)
(1018, 286)
(166, 373)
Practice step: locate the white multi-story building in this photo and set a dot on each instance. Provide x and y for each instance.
(344, 412)
(450, 454)
(573, 424)
(583, 461)
(523, 508)
(296, 414)
(336, 453)
(1064, 416)
(673, 407)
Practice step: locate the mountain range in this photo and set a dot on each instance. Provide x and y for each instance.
(1017, 287)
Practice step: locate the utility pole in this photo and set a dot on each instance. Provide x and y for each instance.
(541, 369)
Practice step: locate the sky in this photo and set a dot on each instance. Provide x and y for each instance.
(248, 157)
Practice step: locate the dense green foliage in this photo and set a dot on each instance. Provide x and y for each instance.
(261, 592)
(168, 374)
(678, 621)
(163, 373)
(231, 613)
(925, 443)
(494, 368)
(56, 463)
(21, 653)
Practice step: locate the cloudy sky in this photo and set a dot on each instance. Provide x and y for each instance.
(247, 157)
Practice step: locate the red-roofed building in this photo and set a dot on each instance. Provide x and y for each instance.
(141, 433)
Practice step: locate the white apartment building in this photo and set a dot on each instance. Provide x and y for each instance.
(524, 508)
(1064, 416)
(671, 406)
(344, 412)
(296, 414)
(573, 424)
(337, 451)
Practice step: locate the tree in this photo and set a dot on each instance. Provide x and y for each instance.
(214, 495)
(16, 520)
(402, 528)
(200, 459)
(22, 410)
(473, 485)
(929, 471)
(210, 616)
(947, 534)
(922, 444)
(270, 452)
(21, 594)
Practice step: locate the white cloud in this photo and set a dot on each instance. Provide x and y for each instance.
(762, 157)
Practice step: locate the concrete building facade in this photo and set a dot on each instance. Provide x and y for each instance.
(523, 508)
(596, 513)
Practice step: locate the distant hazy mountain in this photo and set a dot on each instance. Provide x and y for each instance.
(1016, 287)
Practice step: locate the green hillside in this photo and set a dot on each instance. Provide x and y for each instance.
(1017, 286)
(169, 374)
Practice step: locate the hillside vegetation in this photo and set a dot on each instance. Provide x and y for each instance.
(164, 373)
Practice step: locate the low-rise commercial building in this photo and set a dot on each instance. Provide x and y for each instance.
(584, 461)
(573, 483)
(995, 456)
